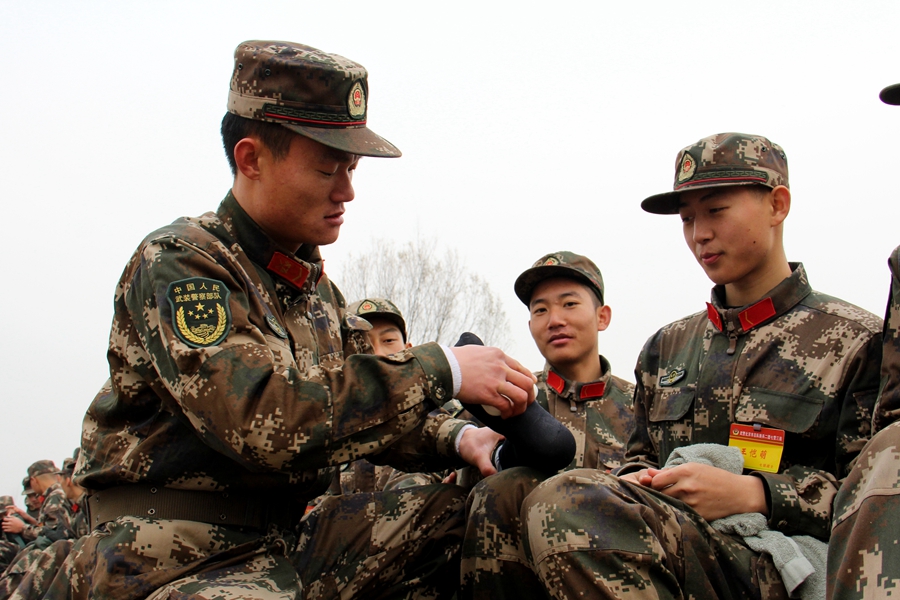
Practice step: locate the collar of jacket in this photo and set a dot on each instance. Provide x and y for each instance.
(785, 296)
(576, 390)
(301, 270)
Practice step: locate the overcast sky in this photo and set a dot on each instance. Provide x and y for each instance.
(526, 128)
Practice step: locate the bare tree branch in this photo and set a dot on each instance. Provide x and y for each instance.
(438, 295)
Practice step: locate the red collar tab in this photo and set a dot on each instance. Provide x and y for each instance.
(556, 382)
(756, 314)
(593, 390)
(288, 269)
(714, 316)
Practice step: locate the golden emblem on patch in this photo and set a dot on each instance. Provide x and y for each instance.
(687, 168)
(366, 307)
(200, 313)
(551, 261)
(672, 377)
(356, 102)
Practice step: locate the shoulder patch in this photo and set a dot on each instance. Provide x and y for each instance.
(671, 378)
(200, 313)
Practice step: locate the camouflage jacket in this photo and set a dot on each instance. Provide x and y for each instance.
(54, 518)
(228, 372)
(798, 361)
(887, 409)
(599, 414)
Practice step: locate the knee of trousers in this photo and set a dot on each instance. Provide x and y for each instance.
(585, 510)
(502, 494)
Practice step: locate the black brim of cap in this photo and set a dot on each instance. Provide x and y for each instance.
(361, 141)
(661, 204)
(891, 94)
(669, 203)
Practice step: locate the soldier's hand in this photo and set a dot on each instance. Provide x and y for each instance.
(714, 493)
(13, 525)
(492, 378)
(476, 446)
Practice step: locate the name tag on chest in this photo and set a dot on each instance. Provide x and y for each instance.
(760, 446)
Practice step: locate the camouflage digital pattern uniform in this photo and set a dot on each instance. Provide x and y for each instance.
(54, 519)
(864, 550)
(494, 562)
(799, 361)
(600, 416)
(272, 407)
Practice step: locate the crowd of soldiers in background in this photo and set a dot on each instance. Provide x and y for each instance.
(54, 510)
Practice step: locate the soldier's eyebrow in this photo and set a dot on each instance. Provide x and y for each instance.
(558, 297)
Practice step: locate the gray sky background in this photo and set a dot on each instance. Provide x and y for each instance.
(526, 128)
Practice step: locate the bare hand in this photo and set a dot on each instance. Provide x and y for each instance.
(13, 525)
(714, 493)
(492, 378)
(476, 446)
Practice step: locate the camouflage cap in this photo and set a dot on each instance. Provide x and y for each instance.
(26, 486)
(891, 94)
(721, 160)
(68, 467)
(559, 264)
(41, 467)
(318, 95)
(6, 501)
(382, 307)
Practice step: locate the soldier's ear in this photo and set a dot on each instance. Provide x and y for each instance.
(246, 157)
(780, 199)
(604, 316)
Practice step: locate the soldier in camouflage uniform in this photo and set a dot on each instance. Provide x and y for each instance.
(564, 293)
(53, 522)
(233, 396)
(863, 553)
(10, 543)
(785, 373)
(76, 497)
(32, 501)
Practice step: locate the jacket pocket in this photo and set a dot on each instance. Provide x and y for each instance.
(782, 410)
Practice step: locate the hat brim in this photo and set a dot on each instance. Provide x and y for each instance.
(361, 141)
(668, 203)
(891, 94)
(528, 280)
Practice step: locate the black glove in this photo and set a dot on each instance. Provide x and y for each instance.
(533, 439)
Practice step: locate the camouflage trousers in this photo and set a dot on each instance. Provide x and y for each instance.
(33, 571)
(590, 534)
(494, 564)
(397, 544)
(864, 550)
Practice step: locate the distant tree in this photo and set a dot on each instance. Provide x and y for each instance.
(438, 295)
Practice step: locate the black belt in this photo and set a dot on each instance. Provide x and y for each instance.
(217, 508)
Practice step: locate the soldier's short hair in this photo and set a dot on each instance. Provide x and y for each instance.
(273, 136)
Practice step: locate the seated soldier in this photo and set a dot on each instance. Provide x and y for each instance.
(32, 500)
(10, 543)
(76, 497)
(564, 293)
(786, 375)
(863, 554)
(53, 522)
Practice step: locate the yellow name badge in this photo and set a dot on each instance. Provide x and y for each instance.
(761, 446)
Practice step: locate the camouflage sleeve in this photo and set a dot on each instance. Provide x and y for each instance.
(430, 447)
(245, 395)
(801, 498)
(640, 451)
(887, 410)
